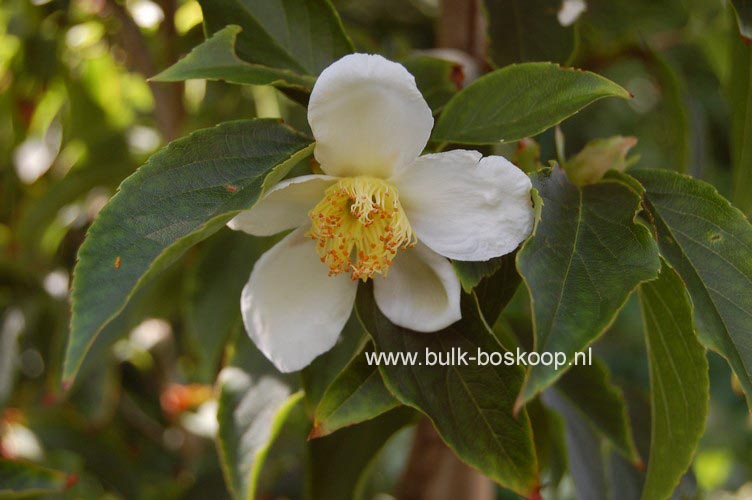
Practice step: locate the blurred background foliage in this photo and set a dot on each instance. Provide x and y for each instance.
(78, 115)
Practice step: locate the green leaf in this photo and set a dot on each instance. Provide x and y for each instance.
(740, 105)
(597, 158)
(184, 193)
(494, 282)
(437, 79)
(356, 395)
(550, 444)
(584, 452)
(527, 30)
(589, 389)
(339, 461)
(21, 479)
(215, 59)
(709, 243)
(743, 10)
(470, 405)
(253, 405)
(580, 266)
(211, 309)
(679, 387)
(304, 36)
(520, 100)
(320, 374)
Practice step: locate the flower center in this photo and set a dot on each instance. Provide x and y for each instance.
(359, 226)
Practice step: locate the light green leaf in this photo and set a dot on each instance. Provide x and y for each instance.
(215, 59)
(304, 36)
(339, 461)
(22, 479)
(598, 157)
(740, 105)
(520, 100)
(356, 395)
(437, 79)
(580, 266)
(527, 30)
(589, 389)
(743, 10)
(470, 405)
(253, 404)
(184, 193)
(679, 388)
(709, 243)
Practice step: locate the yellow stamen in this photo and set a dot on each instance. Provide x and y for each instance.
(359, 226)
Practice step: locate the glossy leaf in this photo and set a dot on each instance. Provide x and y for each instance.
(520, 100)
(215, 59)
(480, 428)
(339, 461)
(437, 79)
(589, 389)
(22, 479)
(580, 266)
(708, 242)
(304, 36)
(253, 404)
(356, 395)
(184, 193)
(679, 390)
(527, 30)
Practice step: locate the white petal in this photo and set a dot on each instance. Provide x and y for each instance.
(421, 291)
(368, 117)
(291, 308)
(465, 207)
(284, 207)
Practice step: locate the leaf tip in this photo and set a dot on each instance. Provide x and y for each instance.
(317, 430)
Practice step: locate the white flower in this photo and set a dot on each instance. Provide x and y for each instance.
(380, 212)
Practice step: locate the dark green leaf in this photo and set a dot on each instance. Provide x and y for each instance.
(320, 374)
(519, 101)
(494, 282)
(527, 30)
(708, 242)
(253, 405)
(470, 405)
(356, 395)
(215, 59)
(304, 36)
(338, 461)
(584, 450)
(589, 389)
(679, 388)
(550, 444)
(740, 100)
(437, 79)
(21, 479)
(743, 10)
(184, 193)
(585, 258)
(212, 310)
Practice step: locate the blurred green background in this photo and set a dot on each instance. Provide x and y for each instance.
(77, 116)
